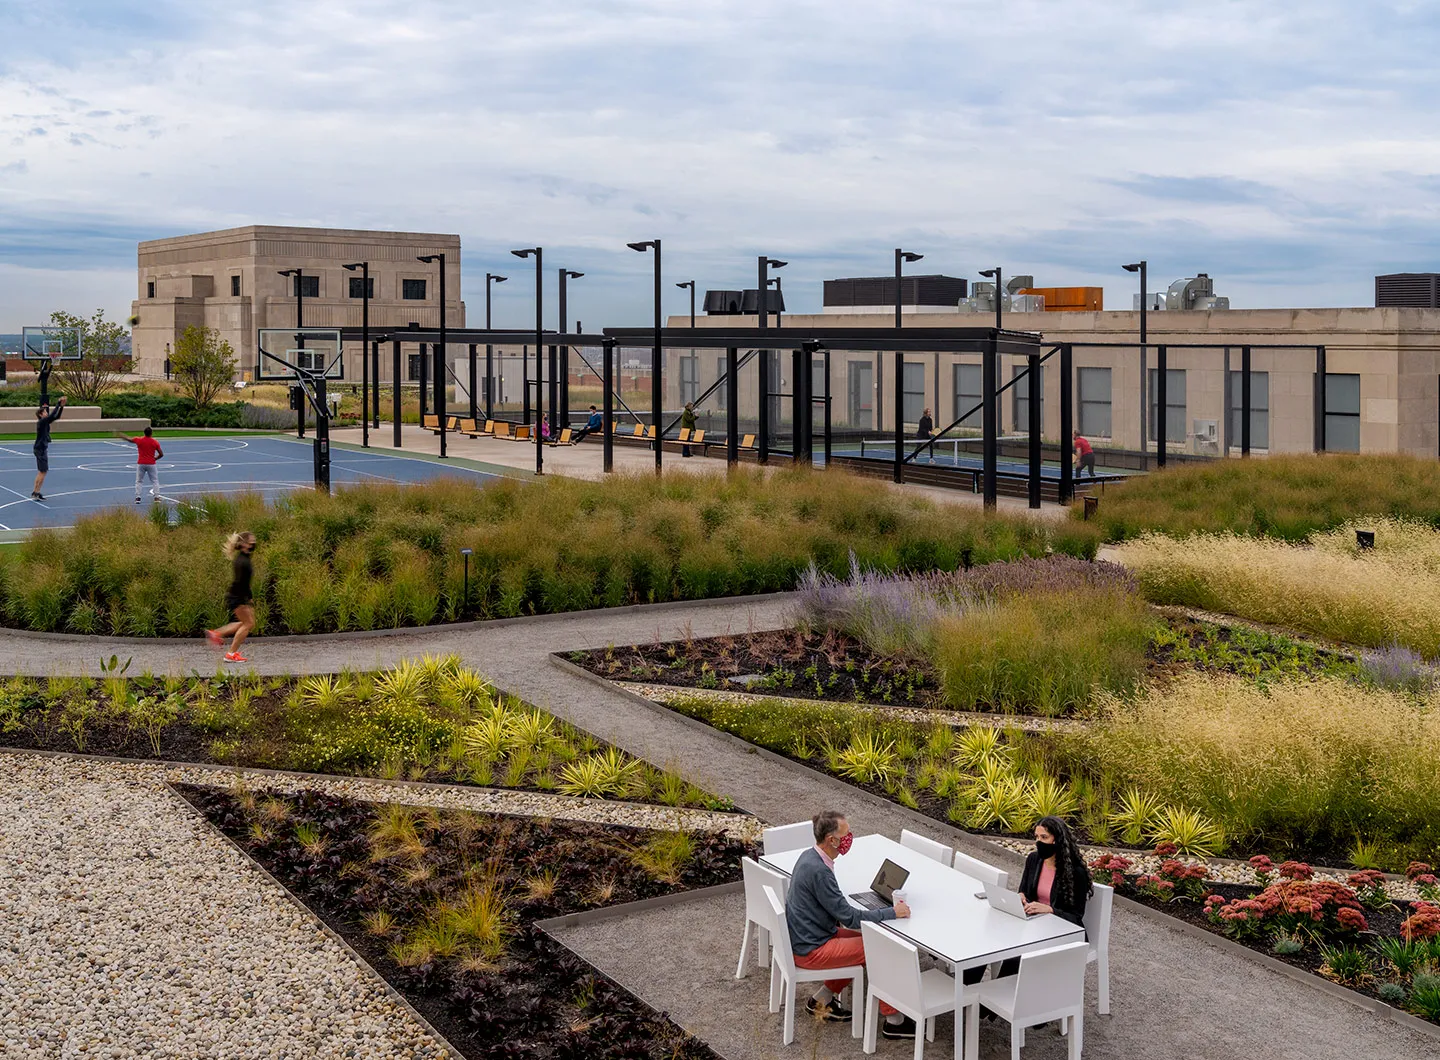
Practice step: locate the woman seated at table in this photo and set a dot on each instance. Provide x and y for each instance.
(1056, 880)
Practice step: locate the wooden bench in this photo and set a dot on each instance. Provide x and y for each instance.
(500, 429)
(430, 423)
(521, 433)
(470, 429)
(564, 439)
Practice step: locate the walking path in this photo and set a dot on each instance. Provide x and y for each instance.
(1172, 994)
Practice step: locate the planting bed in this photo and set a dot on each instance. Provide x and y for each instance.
(443, 905)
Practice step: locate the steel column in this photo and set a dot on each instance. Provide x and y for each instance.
(1244, 401)
(732, 406)
(1067, 424)
(990, 445)
(1035, 396)
(1321, 442)
(607, 351)
(899, 472)
(1162, 417)
(395, 389)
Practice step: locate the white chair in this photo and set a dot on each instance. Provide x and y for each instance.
(931, 849)
(980, 870)
(895, 978)
(782, 960)
(785, 837)
(757, 912)
(1097, 930)
(1050, 985)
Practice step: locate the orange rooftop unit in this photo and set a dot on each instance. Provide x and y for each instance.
(1070, 299)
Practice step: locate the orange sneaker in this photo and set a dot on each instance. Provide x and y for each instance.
(214, 638)
(235, 656)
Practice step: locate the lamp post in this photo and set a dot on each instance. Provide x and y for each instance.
(656, 392)
(690, 284)
(779, 301)
(1141, 267)
(364, 267)
(539, 255)
(440, 350)
(901, 257)
(762, 299)
(563, 375)
(465, 598)
(999, 291)
(490, 278)
(299, 323)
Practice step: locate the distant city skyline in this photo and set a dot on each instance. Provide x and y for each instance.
(1288, 150)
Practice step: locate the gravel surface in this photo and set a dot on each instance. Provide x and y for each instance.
(128, 929)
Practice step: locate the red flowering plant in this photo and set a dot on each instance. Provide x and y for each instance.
(1296, 870)
(1155, 887)
(1369, 887)
(1423, 877)
(1263, 867)
(1422, 923)
(1187, 879)
(1166, 850)
(1319, 909)
(1112, 865)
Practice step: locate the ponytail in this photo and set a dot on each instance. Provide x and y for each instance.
(235, 540)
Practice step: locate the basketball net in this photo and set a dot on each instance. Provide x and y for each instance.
(55, 357)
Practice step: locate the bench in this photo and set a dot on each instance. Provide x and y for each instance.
(564, 439)
(432, 423)
(521, 433)
(501, 429)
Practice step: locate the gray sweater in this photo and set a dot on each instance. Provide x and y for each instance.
(815, 909)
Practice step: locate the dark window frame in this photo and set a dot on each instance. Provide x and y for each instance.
(1089, 405)
(234, 286)
(1259, 409)
(149, 288)
(355, 290)
(968, 399)
(407, 290)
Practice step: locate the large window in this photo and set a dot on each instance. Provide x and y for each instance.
(1259, 409)
(1021, 390)
(364, 287)
(307, 286)
(724, 388)
(1174, 404)
(1342, 413)
(1094, 402)
(689, 378)
(914, 391)
(969, 382)
(412, 290)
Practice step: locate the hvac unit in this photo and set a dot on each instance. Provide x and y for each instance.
(1196, 292)
(1420, 290)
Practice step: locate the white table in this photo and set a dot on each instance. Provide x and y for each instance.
(946, 919)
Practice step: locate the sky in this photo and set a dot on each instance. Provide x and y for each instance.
(1288, 149)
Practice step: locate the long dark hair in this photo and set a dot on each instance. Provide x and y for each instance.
(1072, 876)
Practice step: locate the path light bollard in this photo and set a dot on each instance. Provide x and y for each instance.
(1092, 505)
(1365, 539)
(465, 598)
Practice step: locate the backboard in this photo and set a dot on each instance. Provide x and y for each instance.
(49, 343)
(287, 354)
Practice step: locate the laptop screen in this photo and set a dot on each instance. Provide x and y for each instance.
(890, 877)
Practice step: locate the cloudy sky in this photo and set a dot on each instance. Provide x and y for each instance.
(1289, 149)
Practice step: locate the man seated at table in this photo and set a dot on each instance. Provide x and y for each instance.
(825, 927)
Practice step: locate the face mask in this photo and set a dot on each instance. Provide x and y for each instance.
(1046, 850)
(845, 841)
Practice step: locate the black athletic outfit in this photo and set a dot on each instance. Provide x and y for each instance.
(239, 593)
(42, 438)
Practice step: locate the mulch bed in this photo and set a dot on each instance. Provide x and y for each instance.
(538, 1000)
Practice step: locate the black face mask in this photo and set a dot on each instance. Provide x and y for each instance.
(1046, 850)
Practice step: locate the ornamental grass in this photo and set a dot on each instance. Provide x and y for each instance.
(381, 556)
(1300, 767)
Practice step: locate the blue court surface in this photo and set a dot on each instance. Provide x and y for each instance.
(90, 474)
(1048, 472)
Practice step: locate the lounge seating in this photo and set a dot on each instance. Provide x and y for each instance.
(501, 429)
(521, 433)
(757, 912)
(564, 439)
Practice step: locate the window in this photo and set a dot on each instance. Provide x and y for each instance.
(311, 362)
(969, 381)
(412, 290)
(1021, 390)
(689, 378)
(723, 388)
(234, 287)
(914, 392)
(364, 287)
(1094, 402)
(1174, 404)
(1259, 409)
(149, 288)
(414, 366)
(1342, 413)
(307, 286)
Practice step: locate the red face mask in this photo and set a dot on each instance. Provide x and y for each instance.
(845, 841)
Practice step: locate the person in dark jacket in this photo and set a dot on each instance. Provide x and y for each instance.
(239, 599)
(687, 423)
(924, 429)
(43, 418)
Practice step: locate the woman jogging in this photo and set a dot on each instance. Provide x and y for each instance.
(238, 548)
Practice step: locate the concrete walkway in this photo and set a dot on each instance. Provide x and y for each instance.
(1173, 994)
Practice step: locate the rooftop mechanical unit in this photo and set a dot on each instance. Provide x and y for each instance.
(1419, 290)
(741, 303)
(1197, 292)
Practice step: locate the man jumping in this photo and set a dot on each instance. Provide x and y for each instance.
(147, 451)
(43, 419)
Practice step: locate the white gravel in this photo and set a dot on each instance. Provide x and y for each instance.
(128, 929)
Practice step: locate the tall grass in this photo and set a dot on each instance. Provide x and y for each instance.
(380, 556)
(1303, 767)
(1370, 599)
(1287, 497)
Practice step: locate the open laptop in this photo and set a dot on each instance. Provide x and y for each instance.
(881, 894)
(1007, 901)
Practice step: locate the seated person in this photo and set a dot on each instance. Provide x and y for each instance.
(825, 927)
(594, 423)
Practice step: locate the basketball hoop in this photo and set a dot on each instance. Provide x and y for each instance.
(55, 357)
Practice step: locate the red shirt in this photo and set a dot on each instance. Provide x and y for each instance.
(147, 447)
(1081, 445)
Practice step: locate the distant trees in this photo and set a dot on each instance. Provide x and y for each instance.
(103, 357)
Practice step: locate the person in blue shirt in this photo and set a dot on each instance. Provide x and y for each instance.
(594, 423)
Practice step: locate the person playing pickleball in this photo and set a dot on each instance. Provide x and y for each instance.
(147, 451)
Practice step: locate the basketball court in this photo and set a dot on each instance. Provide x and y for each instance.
(90, 474)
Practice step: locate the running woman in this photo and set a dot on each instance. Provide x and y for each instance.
(147, 450)
(238, 549)
(43, 418)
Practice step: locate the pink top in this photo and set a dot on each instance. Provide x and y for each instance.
(1047, 880)
(829, 861)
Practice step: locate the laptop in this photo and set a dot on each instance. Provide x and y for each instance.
(881, 894)
(1007, 901)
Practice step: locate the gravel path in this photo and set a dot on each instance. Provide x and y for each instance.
(128, 929)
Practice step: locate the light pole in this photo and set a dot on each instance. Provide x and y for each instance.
(779, 301)
(490, 278)
(1141, 267)
(440, 350)
(901, 257)
(762, 307)
(539, 255)
(563, 376)
(364, 267)
(999, 285)
(690, 284)
(299, 323)
(656, 392)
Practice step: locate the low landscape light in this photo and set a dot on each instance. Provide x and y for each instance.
(1365, 539)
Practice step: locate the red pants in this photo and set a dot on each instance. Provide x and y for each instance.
(843, 951)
